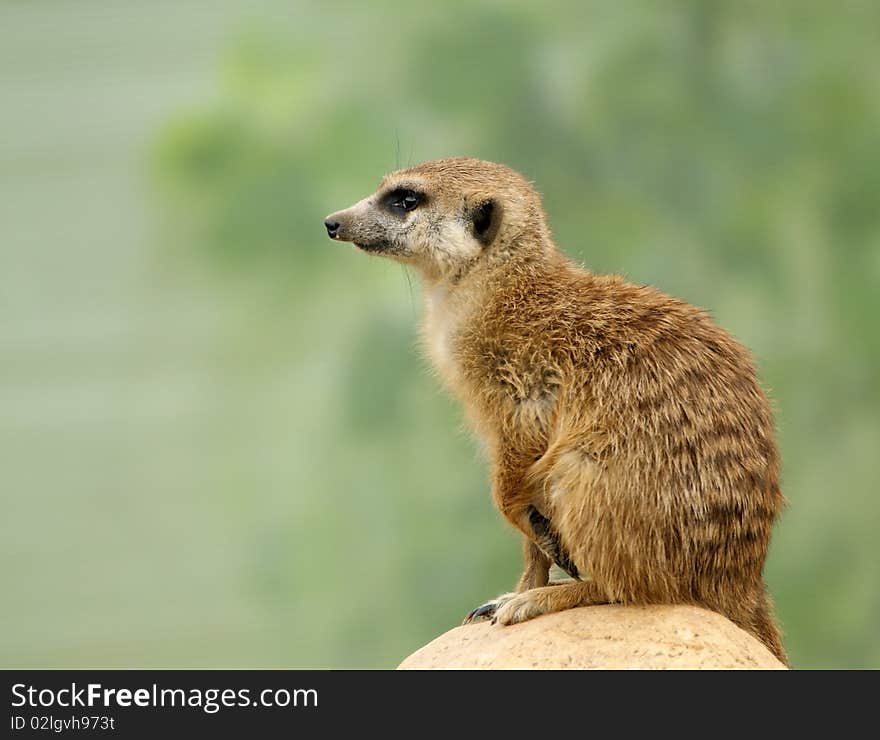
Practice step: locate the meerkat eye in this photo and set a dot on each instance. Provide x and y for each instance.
(405, 200)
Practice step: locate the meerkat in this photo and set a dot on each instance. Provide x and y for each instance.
(629, 438)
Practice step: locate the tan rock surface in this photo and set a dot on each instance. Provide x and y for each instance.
(596, 637)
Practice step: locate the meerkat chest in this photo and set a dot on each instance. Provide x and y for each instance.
(493, 378)
(442, 319)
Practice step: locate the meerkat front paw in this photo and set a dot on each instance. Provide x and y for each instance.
(487, 610)
(521, 608)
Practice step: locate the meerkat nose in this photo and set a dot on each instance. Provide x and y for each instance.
(332, 227)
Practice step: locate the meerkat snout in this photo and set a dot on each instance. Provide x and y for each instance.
(332, 226)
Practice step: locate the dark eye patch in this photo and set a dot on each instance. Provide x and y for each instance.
(402, 200)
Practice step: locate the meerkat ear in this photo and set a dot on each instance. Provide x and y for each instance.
(486, 218)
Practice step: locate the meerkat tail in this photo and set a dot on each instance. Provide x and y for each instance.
(760, 622)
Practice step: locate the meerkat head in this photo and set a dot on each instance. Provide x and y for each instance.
(446, 215)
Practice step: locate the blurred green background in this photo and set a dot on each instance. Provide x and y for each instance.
(219, 444)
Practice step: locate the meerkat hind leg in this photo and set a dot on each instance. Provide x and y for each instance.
(554, 598)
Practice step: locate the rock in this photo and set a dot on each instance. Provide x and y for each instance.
(600, 637)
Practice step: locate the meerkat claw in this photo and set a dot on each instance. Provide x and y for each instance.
(487, 610)
(484, 611)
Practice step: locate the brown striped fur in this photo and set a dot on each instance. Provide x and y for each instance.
(624, 416)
